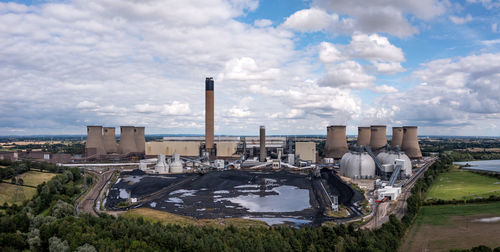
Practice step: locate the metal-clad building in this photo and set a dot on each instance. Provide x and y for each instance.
(306, 151)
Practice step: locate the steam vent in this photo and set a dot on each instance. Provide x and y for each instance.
(336, 143)
(378, 137)
(363, 136)
(397, 137)
(94, 144)
(110, 144)
(209, 113)
(410, 142)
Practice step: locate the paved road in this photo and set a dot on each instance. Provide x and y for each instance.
(87, 204)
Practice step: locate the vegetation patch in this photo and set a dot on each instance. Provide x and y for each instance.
(169, 218)
(14, 194)
(459, 185)
(33, 178)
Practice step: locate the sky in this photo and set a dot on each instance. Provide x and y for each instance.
(295, 66)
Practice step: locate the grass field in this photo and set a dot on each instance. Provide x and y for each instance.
(445, 227)
(8, 193)
(34, 178)
(169, 218)
(460, 184)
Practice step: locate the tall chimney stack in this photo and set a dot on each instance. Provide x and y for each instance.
(397, 137)
(378, 137)
(209, 114)
(263, 152)
(363, 136)
(336, 143)
(410, 142)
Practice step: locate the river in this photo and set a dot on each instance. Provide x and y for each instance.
(483, 165)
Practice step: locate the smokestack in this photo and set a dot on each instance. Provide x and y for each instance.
(140, 139)
(336, 143)
(397, 137)
(94, 141)
(410, 142)
(263, 152)
(363, 136)
(110, 144)
(127, 140)
(378, 137)
(209, 113)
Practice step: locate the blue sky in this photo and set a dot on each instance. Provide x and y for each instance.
(294, 66)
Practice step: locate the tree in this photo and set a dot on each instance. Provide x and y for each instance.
(62, 209)
(56, 245)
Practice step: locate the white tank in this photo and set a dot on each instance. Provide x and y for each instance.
(390, 158)
(176, 165)
(357, 165)
(161, 166)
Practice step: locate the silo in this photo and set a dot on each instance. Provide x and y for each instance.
(263, 152)
(357, 165)
(140, 139)
(410, 142)
(397, 137)
(336, 143)
(94, 142)
(363, 136)
(110, 144)
(378, 137)
(209, 113)
(127, 140)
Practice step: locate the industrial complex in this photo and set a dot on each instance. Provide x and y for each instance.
(273, 178)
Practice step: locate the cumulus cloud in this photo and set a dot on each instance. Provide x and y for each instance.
(382, 15)
(312, 20)
(461, 20)
(245, 68)
(488, 4)
(455, 92)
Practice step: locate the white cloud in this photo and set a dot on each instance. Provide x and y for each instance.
(310, 20)
(245, 68)
(488, 4)
(494, 27)
(328, 53)
(86, 105)
(385, 89)
(347, 74)
(373, 47)
(461, 20)
(382, 15)
(262, 22)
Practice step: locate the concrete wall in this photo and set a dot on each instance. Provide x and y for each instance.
(306, 150)
(226, 149)
(188, 148)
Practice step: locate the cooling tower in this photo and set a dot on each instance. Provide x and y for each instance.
(363, 136)
(397, 137)
(140, 139)
(110, 144)
(94, 142)
(336, 143)
(263, 152)
(209, 113)
(378, 137)
(127, 140)
(410, 142)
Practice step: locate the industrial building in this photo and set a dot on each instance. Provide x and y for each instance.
(102, 141)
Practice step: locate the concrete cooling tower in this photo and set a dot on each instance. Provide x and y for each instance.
(127, 140)
(378, 137)
(363, 136)
(94, 144)
(262, 140)
(410, 142)
(140, 139)
(397, 137)
(110, 144)
(209, 113)
(336, 143)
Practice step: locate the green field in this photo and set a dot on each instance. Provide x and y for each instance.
(34, 178)
(9, 193)
(445, 227)
(459, 184)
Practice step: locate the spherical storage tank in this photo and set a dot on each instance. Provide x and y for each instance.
(389, 157)
(357, 165)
